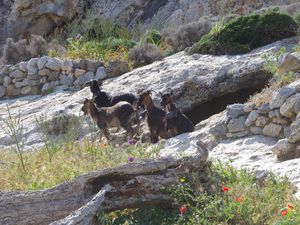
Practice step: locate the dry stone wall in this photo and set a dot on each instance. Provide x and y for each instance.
(280, 118)
(44, 74)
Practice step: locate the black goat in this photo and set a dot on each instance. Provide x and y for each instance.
(156, 117)
(104, 99)
(177, 122)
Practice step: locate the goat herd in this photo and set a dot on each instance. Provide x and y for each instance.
(122, 111)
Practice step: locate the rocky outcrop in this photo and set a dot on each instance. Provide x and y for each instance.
(42, 16)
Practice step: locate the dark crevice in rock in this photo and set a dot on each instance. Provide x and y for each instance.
(217, 105)
(152, 7)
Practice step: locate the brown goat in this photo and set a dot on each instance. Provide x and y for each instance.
(156, 117)
(177, 122)
(121, 114)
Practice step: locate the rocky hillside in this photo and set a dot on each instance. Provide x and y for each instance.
(43, 16)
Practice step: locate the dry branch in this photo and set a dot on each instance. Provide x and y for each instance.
(132, 185)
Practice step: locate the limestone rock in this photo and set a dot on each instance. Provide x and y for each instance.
(264, 109)
(2, 91)
(13, 91)
(67, 66)
(279, 97)
(2, 75)
(236, 124)
(66, 80)
(44, 72)
(54, 64)
(84, 78)
(25, 90)
(79, 72)
(297, 106)
(117, 68)
(279, 120)
(261, 121)
(17, 74)
(287, 109)
(32, 66)
(92, 65)
(53, 76)
(42, 62)
(7, 81)
(249, 107)
(295, 131)
(256, 130)
(47, 87)
(284, 150)
(23, 66)
(235, 110)
(288, 63)
(287, 131)
(253, 115)
(100, 74)
(272, 130)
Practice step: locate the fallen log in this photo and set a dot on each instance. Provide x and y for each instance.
(133, 185)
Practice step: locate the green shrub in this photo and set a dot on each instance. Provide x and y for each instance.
(244, 33)
(116, 43)
(297, 18)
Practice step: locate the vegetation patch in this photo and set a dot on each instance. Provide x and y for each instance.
(242, 34)
(242, 199)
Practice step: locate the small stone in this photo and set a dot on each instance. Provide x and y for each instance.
(264, 109)
(297, 107)
(66, 80)
(295, 131)
(237, 124)
(25, 90)
(44, 72)
(79, 72)
(249, 107)
(7, 81)
(256, 130)
(84, 78)
(83, 64)
(288, 63)
(35, 90)
(272, 114)
(92, 65)
(284, 150)
(117, 68)
(2, 91)
(2, 75)
(42, 62)
(287, 109)
(237, 134)
(279, 97)
(17, 74)
(54, 64)
(280, 121)
(53, 76)
(100, 74)
(67, 66)
(32, 66)
(272, 130)
(253, 115)
(22, 66)
(287, 131)
(235, 110)
(13, 91)
(261, 121)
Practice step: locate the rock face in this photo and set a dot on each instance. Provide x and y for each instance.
(42, 16)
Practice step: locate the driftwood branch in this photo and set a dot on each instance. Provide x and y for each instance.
(132, 185)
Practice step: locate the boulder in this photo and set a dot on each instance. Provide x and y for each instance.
(7, 81)
(17, 74)
(92, 65)
(79, 72)
(25, 90)
(261, 121)
(295, 131)
(288, 63)
(42, 62)
(2, 75)
(287, 109)
(53, 76)
(66, 80)
(264, 109)
(13, 91)
(284, 150)
(255, 130)
(44, 72)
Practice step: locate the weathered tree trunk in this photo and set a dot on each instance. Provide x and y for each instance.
(132, 185)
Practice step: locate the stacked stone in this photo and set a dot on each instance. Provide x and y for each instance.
(280, 118)
(41, 75)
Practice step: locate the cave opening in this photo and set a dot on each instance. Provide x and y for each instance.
(207, 109)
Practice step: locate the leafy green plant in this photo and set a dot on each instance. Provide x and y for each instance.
(244, 33)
